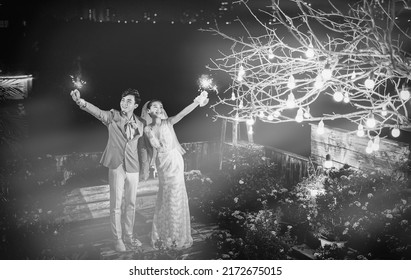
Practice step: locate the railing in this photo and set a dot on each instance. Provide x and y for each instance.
(293, 166)
(203, 156)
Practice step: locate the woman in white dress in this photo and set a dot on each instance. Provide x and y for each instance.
(171, 222)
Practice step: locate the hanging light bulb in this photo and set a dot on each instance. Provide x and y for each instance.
(376, 143)
(310, 51)
(328, 163)
(307, 114)
(291, 82)
(369, 82)
(276, 113)
(233, 96)
(369, 148)
(338, 95)
(353, 75)
(241, 73)
(261, 114)
(291, 101)
(360, 130)
(270, 117)
(405, 94)
(299, 117)
(270, 54)
(395, 132)
(250, 121)
(346, 97)
(327, 72)
(384, 110)
(241, 105)
(319, 83)
(320, 127)
(371, 122)
(250, 130)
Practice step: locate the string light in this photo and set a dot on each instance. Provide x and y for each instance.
(310, 51)
(319, 83)
(250, 121)
(320, 127)
(339, 68)
(346, 97)
(327, 72)
(270, 54)
(369, 148)
(369, 83)
(371, 122)
(241, 73)
(299, 117)
(233, 96)
(291, 82)
(405, 94)
(395, 132)
(353, 75)
(338, 96)
(360, 130)
(376, 143)
(384, 110)
(291, 101)
(241, 105)
(307, 114)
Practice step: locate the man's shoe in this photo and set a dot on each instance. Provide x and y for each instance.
(134, 242)
(119, 246)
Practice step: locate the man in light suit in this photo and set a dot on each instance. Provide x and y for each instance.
(121, 157)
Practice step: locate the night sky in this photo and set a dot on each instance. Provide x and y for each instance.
(161, 60)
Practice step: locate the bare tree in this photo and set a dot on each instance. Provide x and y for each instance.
(356, 55)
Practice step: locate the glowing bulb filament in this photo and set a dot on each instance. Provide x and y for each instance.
(371, 122)
(320, 128)
(319, 83)
(241, 73)
(369, 83)
(310, 51)
(405, 94)
(369, 148)
(291, 101)
(338, 96)
(270, 54)
(346, 97)
(299, 117)
(360, 130)
(241, 105)
(395, 132)
(291, 82)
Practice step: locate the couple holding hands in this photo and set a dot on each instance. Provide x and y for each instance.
(132, 143)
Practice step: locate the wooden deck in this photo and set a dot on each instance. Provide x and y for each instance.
(86, 212)
(88, 235)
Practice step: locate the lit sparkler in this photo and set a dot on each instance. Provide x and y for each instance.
(206, 83)
(77, 82)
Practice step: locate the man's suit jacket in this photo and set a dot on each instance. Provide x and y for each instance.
(119, 149)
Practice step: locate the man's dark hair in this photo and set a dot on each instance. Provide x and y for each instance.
(133, 92)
